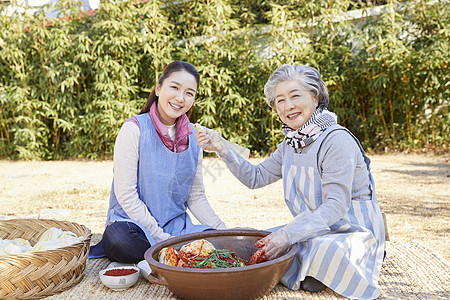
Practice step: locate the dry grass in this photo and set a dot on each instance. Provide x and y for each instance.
(412, 190)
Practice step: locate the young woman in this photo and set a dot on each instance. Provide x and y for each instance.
(157, 173)
(327, 186)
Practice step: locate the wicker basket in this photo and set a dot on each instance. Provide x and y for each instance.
(39, 274)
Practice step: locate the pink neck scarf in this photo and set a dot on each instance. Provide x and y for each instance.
(183, 130)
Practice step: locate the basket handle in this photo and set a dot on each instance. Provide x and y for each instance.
(156, 280)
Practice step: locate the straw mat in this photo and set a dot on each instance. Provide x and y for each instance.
(410, 271)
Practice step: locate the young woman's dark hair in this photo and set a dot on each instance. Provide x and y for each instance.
(174, 66)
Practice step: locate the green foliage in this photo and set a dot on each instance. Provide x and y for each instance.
(67, 86)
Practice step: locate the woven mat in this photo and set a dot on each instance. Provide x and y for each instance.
(410, 271)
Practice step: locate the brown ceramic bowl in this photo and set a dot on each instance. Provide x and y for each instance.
(247, 282)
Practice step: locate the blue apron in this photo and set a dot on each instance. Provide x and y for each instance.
(163, 183)
(348, 258)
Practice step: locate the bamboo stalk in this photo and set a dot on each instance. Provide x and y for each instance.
(433, 129)
(408, 121)
(391, 110)
(386, 129)
(364, 119)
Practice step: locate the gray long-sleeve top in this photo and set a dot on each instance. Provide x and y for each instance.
(344, 177)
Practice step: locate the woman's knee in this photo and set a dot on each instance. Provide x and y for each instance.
(125, 242)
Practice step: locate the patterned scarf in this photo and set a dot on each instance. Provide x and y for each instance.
(310, 131)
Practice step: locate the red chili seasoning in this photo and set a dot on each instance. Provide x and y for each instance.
(120, 272)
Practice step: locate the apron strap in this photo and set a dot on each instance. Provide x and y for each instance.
(366, 159)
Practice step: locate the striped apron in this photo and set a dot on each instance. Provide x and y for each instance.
(348, 258)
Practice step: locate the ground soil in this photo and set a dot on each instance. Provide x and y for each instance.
(412, 190)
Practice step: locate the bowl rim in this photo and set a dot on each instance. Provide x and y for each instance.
(102, 272)
(212, 233)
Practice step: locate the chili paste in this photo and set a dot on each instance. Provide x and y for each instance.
(120, 272)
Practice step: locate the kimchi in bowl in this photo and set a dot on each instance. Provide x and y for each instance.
(248, 282)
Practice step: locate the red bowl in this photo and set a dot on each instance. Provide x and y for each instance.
(249, 282)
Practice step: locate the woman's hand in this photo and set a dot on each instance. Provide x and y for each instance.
(210, 141)
(274, 245)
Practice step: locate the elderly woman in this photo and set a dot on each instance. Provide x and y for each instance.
(328, 188)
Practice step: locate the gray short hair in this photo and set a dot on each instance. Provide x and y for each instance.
(308, 77)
